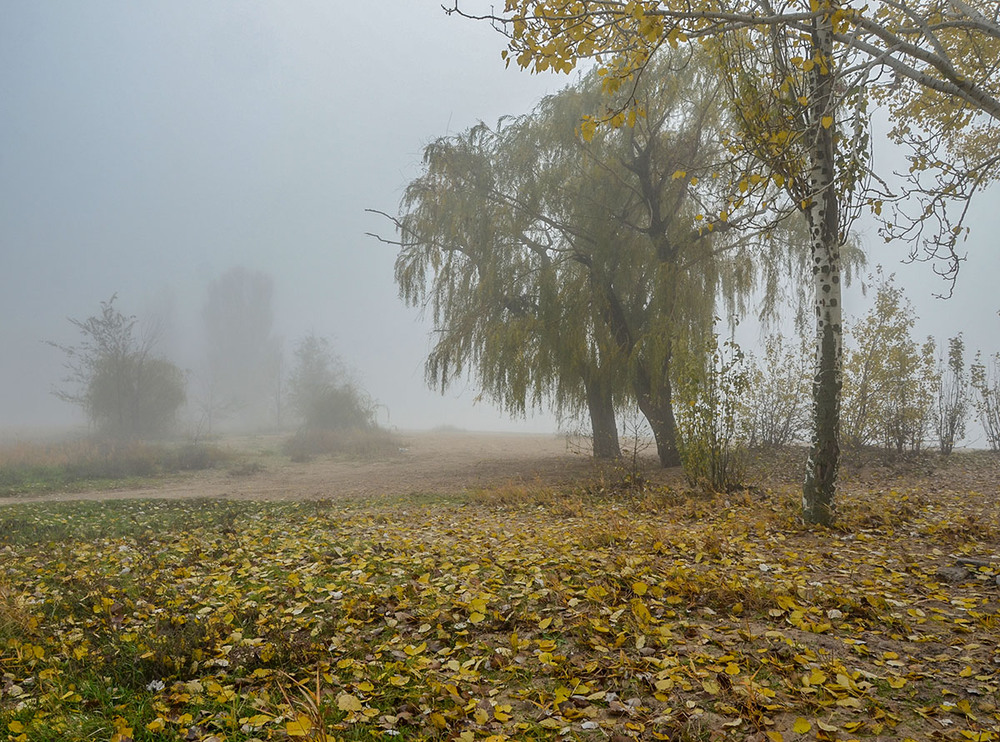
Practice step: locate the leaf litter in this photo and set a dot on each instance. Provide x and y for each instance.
(522, 614)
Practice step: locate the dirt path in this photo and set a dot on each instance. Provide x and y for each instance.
(443, 463)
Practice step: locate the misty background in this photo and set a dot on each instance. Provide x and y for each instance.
(147, 149)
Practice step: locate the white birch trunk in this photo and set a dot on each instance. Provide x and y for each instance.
(822, 212)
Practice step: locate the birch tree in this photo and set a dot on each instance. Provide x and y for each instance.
(829, 57)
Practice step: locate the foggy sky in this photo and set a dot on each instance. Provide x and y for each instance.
(146, 148)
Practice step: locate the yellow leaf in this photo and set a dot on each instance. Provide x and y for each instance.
(817, 677)
(827, 122)
(732, 669)
(301, 727)
(347, 702)
(639, 588)
(640, 611)
(897, 682)
(679, 174)
(156, 724)
(775, 736)
(15, 726)
(801, 726)
(545, 623)
(438, 720)
(399, 680)
(477, 618)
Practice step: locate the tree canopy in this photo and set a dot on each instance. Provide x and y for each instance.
(564, 270)
(803, 73)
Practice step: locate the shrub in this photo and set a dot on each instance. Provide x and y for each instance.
(321, 393)
(775, 407)
(712, 453)
(986, 382)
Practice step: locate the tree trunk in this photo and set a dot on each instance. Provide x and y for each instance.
(602, 420)
(822, 212)
(659, 413)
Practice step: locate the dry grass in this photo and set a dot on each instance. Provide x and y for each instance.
(363, 445)
(27, 467)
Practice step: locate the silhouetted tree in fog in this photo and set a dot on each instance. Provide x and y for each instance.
(242, 356)
(125, 390)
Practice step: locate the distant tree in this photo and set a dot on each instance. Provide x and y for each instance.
(241, 351)
(125, 390)
(952, 396)
(322, 394)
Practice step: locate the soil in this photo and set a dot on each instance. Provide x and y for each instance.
(427, 462)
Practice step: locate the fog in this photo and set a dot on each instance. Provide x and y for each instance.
(147, 149)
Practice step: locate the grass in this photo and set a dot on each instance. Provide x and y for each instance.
(33, 468)
(362, 445)
(518, 613)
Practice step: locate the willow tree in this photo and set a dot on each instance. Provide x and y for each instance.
(569, 270)
(828, 58)
(485, 272)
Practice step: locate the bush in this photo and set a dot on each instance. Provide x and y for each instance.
(712, 453)
(126, 391)
(775, 408)
(890, 381)
(321, 393)
(986, 382)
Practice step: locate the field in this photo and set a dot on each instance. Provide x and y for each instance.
(500, 587)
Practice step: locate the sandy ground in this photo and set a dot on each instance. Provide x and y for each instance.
(443, 463)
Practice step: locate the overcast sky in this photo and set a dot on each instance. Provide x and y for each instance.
(146, 148)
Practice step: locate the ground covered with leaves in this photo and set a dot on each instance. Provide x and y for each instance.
(515, 614)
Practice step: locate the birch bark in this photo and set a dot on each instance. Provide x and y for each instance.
(822, 212)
